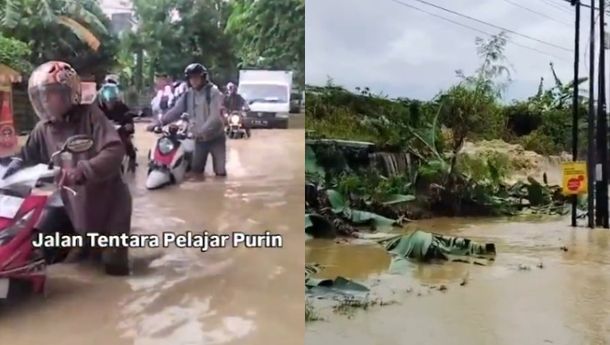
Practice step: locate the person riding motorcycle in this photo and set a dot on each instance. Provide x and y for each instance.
(111, 79)
(235, 102)
(203, 102)
(102, 202)
(119, 113)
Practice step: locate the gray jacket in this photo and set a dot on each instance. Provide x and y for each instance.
(204, 110)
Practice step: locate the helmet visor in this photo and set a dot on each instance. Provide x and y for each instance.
(50, 102)
(109, 94)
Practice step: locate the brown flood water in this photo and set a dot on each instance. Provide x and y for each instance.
(567, 301)
(183, 296)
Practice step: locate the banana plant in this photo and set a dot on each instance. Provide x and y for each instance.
(71, 14)
(558, 96)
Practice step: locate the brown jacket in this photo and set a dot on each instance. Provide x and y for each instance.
(103, 204)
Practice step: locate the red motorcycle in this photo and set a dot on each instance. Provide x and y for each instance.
(30, 204)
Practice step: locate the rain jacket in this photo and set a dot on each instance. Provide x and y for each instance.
(207, 121)
(103, 204)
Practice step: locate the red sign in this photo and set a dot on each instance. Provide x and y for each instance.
(574, 183)
(8, 137)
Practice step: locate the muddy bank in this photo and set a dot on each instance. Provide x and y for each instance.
(523, 163)
(534, 292)
(178, 296)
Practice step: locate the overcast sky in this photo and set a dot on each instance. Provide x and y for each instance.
(406, 53)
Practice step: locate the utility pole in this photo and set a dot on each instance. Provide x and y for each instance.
(599, 168)
(591, 123)
(575, 102)
(602, 126)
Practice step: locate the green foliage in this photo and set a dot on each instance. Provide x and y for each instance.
(223, 35)
(13, 53)
(32, 21)
(370, 185)
(334, 112)
(178, 32)
(269, 34)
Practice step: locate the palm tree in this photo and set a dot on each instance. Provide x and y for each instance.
(15, 14)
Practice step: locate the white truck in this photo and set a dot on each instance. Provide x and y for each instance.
(268, 96)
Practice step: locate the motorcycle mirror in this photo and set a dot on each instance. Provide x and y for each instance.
(78, 144)
(157, 129)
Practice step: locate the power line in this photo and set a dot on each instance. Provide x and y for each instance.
(583, 5)
(556, 6)
(475, 29)
(535, 12)
(490, 24)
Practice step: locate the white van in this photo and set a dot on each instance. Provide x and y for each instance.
(268, 96)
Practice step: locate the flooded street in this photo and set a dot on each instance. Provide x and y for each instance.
(534, 292)
(183, 296)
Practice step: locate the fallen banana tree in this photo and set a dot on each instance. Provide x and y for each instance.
(425, 247)
(419, 246)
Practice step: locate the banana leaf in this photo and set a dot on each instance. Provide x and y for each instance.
(425, 246)
(308, 222)
(311, 163)
(80, 31)
(338, 286)
(397, 199)
(341, 207)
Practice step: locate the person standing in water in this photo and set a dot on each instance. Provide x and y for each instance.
(203, 103)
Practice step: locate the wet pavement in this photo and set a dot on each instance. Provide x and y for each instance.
(534, 292)
(183, 296)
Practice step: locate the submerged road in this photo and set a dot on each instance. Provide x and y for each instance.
(183, 296)
(549, 284)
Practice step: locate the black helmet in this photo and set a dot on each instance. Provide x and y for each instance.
(111, 79)
(195, 69)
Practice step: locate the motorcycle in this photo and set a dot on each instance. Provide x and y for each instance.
(127, 165)
(29, 205)
(234, 126)
(170, 157)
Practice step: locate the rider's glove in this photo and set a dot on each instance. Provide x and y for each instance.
(15, 165)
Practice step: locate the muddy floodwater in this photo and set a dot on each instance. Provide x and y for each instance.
(534, 293)
(183, 296)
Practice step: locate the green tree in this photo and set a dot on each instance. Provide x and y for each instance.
(470, 107)
(269, 34)
(80, 36)
(174, 33)
(13, 53)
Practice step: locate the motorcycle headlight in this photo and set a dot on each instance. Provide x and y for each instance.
(9, 233)
(165, 146)
(235, 120)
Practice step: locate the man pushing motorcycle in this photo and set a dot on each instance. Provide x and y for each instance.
(102, 202)
(203, 102)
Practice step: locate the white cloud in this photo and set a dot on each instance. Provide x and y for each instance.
(403, 52)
